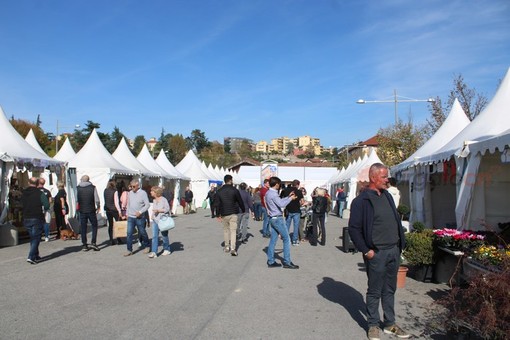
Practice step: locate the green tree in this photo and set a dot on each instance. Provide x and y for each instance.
(177, 148)
(162, 143)
(197, 141)
(114, 140)
(245, 149)
(398, 142)
(138, 144)
(470, 100)
(24, 126)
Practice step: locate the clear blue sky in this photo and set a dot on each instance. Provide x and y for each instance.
(257, 69)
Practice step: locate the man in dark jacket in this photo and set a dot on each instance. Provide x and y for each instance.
(88, 201)
(34, 202)
(228, 202)
(376, 231)
(188, 199)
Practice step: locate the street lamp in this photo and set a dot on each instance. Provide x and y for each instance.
(57, 136)
(396, 100)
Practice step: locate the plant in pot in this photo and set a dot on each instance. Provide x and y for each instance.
(419, 253)
(404, 211)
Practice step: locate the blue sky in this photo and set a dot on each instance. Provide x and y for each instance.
(257, 69)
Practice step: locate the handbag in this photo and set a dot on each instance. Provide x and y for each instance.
(204, 204)
(166, 222)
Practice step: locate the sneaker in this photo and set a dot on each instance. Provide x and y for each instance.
(129, 253)
(373, 333)
(166, 252)
(31, 261)
(94, 247)
(396, 330)
(233, 252)
(85, 248)
(152, 255)
(46, 239)
(226, 249)
(295, 243)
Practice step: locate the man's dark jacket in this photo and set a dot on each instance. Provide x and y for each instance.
(34, 201)
(362, 219)
(228, 201)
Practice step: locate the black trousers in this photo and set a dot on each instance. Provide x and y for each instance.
(319, 221)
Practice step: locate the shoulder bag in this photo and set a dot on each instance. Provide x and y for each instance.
(166, 222)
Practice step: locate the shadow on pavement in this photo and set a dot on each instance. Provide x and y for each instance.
(345, 296)
(62, 252)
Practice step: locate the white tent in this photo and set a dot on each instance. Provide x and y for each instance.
(95, 161)
(181, 181)
(416, 177)
(16, 154)
(191, 166)
(49, 177)
(310, 177)
(145, 158)
(30, 138)
(66, 152)
(124, 156)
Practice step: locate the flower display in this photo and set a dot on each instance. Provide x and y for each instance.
(458, 239)
(491, 255)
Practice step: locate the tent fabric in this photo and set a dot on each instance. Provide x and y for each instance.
(96, 162)
(192, 167)
(165, 164)
(452, 126)
(14, 148)
(124, 156)
(145, 158)
(66, 152)
(30, 138)
(492, 121)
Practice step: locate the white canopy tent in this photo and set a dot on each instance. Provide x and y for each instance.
(124, 156)
(16, 154)
(66, 152)
(49, 177)
(416, 177)
(181, 181)
(191, 166)
(95, 161)
(310, 177)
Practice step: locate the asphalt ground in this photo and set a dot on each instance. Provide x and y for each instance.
(198, 292)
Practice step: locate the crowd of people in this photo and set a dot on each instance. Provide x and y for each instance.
(374, 225)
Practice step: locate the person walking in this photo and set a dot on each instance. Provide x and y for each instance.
(112, 208)
(274, 206)
(89, 205)
(188, 199)
(211, 194)
(244, 217)
(228, 202)
(47, 213)
(341, 199)
(257, 204)
(294, 210)
(34, 203)
(160, 206)
(138, 204)
(266, 233)
(319, 208)
(376, 231)
(60, 208)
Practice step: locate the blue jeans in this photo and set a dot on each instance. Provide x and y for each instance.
(155, 238)
(84, 218)
(140, 225)
(257, 210)
(341, 208)
(294, 217)
(265, 225)
(277, 226)
(382, 283)
(34, 227)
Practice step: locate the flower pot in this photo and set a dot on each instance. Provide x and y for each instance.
(401, 276)
(446, 266)
(422, 273)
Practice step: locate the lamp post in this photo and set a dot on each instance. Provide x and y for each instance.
(57, 136)
(396, 100)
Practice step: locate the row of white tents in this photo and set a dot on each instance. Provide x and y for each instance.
(23, 158)
(460, 178)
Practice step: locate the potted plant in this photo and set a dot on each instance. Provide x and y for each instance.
(402, 274)
(404, 211)
(419, 253)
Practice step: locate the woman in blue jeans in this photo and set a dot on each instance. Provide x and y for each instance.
(160, 207)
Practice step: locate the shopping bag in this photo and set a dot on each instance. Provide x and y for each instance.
(119, 229)
(204, 204)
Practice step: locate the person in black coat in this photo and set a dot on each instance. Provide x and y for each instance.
(319, 208)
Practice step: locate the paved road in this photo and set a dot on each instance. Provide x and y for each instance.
(198, 292)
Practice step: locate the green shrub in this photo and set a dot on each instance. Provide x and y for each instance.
(419, 248)
(418, 227)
